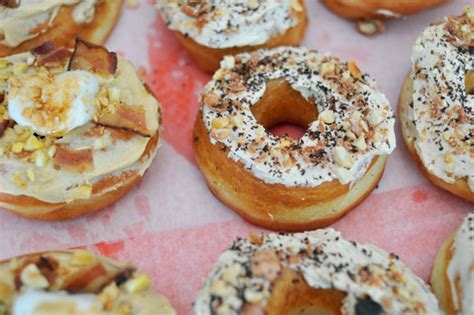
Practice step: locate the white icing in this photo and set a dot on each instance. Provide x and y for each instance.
(268, 162)
(27, 303)
(445, 84)
(462, 265)
(70, 94)
(19, 24)
(333, 263)
(230, 23)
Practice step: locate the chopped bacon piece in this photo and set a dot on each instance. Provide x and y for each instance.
(3, 126)
(126, 117)
(74, 160)
(50, 56)
(91, 279)
(10, 3)
(90, 57)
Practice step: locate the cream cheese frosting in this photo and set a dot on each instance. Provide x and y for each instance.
(354, 126)
(113, 154)
(225, 24)
(27, 21)
(461, 267)
(442, 113)
(326, 261)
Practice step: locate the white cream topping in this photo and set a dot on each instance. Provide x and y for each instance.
(23, 23)
(461, 266)
(31, 301)
(225, 24)
(323, 153)
(444, 140)
(326, 261)
(66, 101)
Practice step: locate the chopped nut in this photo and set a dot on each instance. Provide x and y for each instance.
(220, 133)
(343, 175)
(220, 288)
(32, 144)
(255, 238)
(354, 69)
(20, 68)
(327, 68)
(220, 122)
(39, 158)
(228, 62)
(114, 94)
(138, 284)
(296, 5)
(375, 117)
(360, 143)
(327, 116)
(448, 158)
(252, 4)
(253, 296)
(30, 173)
(81, 192)
(370, 27)
(342, 157)
(18, 147)
(218, 75)
(83, 258)
(31, 277)
(100, 144)
(52, 151)
(231, 273)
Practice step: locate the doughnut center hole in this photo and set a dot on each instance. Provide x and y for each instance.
(469, 82)
(283, 110)
(291, 295)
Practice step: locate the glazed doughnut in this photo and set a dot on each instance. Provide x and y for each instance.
(453, 271)
(27, 24)
(379, 9)
(210, 30)
(315, 272)
(77, 131)
(76, 282)
(282, 183)
(436, 105)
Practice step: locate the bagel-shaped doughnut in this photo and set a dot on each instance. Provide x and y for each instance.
(453, 271)
(210, 30)
(379, 9)
(73, 282)
(77, 131)
(283, 183)
(27, 24)
(436, 106)
(315, 272)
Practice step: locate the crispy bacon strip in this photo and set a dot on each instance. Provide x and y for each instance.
(3, 126)
(10, 3)
(126, 117)
(77, 161)
(87, 280)
(48, 55)
(90, 57)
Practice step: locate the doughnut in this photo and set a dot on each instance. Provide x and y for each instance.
(78, 130)
(453, 271)
(26, 24)
(316, 272)
(73, 282)
(210, 30)
(436, 106)
(279, 182)
(370, 13)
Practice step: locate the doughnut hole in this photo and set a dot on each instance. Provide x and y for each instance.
(469, 82)
(291, 295)
(283, 110)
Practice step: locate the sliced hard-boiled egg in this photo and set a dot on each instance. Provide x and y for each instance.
(53, 104)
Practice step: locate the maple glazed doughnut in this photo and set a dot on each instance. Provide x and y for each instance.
(437, 104)
(315, 272)
(26, 24)
(211, 29)
(282, 183)
(74, 282)
(78, 130)
(453, 271)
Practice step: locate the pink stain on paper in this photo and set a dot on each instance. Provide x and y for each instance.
(176, 82)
